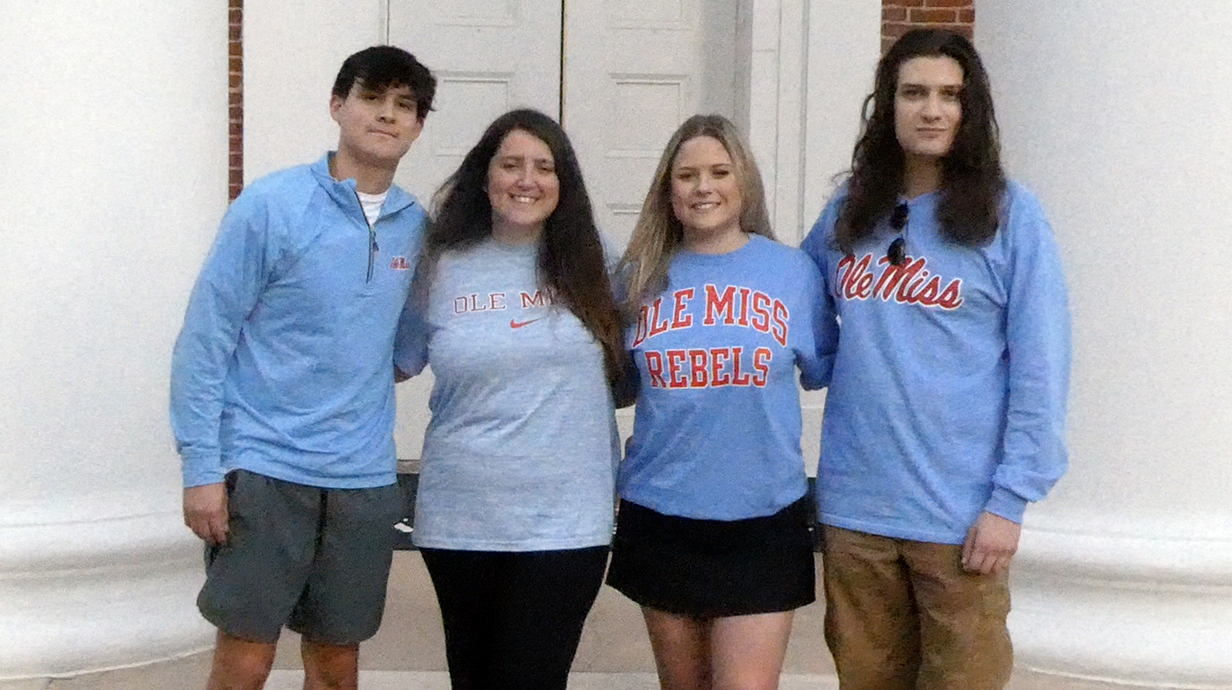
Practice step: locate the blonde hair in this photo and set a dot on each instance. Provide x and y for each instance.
(658, 234)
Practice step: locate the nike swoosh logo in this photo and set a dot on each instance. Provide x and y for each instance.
(519, 324)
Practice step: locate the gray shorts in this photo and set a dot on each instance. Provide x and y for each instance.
(313, 559)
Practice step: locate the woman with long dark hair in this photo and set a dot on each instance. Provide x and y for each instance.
(513, 310)
(713, 537)
(945, 412)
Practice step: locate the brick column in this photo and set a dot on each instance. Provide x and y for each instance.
(235, 97)
(898, 16)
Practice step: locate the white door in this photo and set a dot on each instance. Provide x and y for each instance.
(634, 70)
(489, 56)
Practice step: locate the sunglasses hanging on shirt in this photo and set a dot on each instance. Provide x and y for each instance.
(896, 254)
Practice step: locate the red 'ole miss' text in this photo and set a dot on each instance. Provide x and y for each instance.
(732, 306)
(910, 283)
(708, 307)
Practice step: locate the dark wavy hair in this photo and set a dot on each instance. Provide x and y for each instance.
(382, 67)
(972, 180)
(571, 260)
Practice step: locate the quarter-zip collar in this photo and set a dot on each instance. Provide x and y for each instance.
(343, 193)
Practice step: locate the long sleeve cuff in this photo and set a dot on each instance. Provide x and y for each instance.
(1006, 504)
(201, 470)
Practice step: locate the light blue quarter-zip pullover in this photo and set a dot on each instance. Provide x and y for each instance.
(284, 365)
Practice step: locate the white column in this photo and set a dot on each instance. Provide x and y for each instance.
(113, 157)
(1118, 114)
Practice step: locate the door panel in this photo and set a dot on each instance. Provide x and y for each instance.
(488, 56)
(634, 70)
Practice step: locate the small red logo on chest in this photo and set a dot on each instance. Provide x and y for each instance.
(400, 263)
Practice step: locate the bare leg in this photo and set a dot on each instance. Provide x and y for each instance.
(747, 651)
(329, 666)
(681, 649)
(240, 664)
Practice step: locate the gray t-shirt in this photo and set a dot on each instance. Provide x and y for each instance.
(521, 451)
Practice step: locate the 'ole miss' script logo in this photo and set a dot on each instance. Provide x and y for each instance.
(713, 367)
(910, 283)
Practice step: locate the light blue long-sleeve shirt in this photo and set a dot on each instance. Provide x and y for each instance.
(716, 432)
(950, 379)
(284, 365)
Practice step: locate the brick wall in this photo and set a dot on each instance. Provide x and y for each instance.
(897, 16)
(235, 97)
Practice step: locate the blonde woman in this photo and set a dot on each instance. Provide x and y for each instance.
(712, 536)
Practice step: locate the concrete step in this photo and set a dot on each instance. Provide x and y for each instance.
(439, 680)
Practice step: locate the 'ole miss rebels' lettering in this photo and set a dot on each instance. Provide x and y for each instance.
(712, 367)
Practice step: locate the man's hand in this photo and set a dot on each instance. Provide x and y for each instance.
(991, 543)
(205, 512)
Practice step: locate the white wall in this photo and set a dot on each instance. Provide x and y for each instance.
(844, 47)
(810, 66)
(292, 52)
(1117, 115)
(113, 175)
(843, 44)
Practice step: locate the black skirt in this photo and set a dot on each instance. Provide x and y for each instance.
(714, 568)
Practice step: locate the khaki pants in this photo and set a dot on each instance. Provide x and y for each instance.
(904, 615)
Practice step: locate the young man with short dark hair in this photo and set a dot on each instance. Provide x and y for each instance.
(282, 398)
